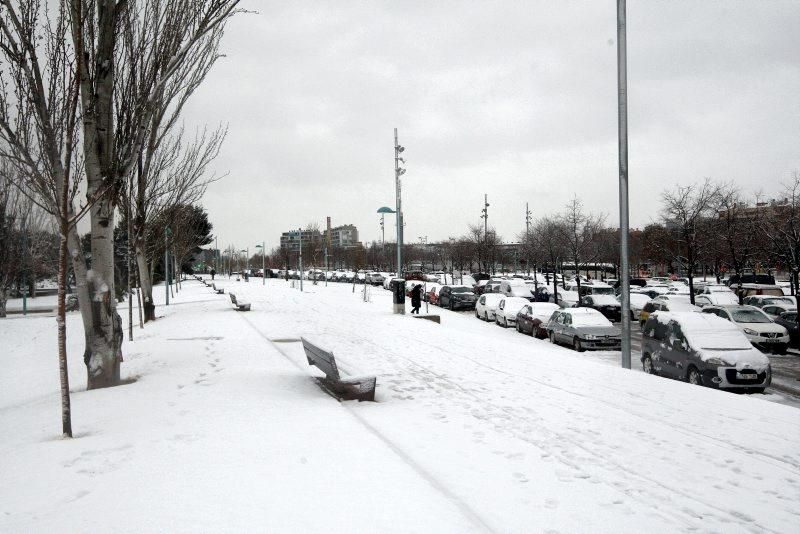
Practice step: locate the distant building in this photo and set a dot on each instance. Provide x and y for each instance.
(291, 240)
(344, 236)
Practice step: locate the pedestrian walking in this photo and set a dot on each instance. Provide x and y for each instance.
(416, 298)
(213, 272)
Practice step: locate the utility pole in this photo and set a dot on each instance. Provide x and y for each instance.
(528, 241)
(398, 172)
(300, 257)
(622, 102)
(485, 217)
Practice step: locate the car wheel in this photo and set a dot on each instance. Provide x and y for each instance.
(647, 365)
(552, 336)
(576, 344)
(450, 305)
(486, 316)
(505, 322)
(693, 376)
(758, 390)
(477, 315)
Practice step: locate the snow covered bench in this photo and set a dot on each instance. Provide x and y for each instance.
(361, 388)
(239, 304)
(220, 290)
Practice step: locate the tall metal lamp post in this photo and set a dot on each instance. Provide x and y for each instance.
(263, 248)
(622, 124)
(383, 211)
(398, 172)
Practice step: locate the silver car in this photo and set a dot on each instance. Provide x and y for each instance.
(583, 329)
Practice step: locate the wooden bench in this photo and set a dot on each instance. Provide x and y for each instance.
(361, 388)
(220, 290)
(239, 305)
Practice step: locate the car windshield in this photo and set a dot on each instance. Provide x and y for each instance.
(462, 290)
(749, 316)
(792, 317)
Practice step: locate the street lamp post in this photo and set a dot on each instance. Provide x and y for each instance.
(300, 245)
(622, 104)
(398, 172)
(263, 248)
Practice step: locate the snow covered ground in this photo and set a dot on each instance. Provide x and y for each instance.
(475, 428)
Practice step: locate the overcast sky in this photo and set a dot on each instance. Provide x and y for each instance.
(514, 99)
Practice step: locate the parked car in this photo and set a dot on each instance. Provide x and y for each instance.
(637, 302)
(751, 279)
(566, 299)
(516, 288)
(532, 318)
(758, 289)
(492, 286)
(507, 309)
(486, 307)
(788, 320)
(457, 297)
(376, 279)
(584, 329)
(712, 288)
(716, 298)
(667, 306)
(605, 304)
(703, 350)
(480, 287)
(432, 294)
(756, 325)
(775, 310)
(759, 301)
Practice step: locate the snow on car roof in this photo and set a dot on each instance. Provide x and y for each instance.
(706, 331)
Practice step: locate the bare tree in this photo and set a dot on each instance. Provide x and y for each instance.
(547, 235)
(578, 231)
(736, 230)
(781, 227)
(119, 99)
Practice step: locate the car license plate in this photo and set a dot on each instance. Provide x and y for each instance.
(772, 340)
(747, 376)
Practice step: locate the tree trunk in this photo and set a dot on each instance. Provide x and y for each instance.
(3, 299)
(66, 413)
(103, 354)
(145, 284)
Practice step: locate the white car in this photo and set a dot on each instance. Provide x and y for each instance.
(516, 288)
(716, 298)
(507, 309)
(756, 325)
(487, 306)
(775, 310)
(759, 301)
(566, 299)
(637, 302)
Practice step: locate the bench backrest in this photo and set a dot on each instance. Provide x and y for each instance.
(321, 358)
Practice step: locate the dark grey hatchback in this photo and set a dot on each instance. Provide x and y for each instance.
(703, 350)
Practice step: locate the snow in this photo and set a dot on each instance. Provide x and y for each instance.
(605, 300)
(475, 429)
(588, 317)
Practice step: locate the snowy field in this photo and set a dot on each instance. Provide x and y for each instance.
(223, 428)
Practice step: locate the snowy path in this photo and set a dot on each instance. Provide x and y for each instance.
(633, 449)
(476, 428)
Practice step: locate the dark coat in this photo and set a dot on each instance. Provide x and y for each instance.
(416, 296)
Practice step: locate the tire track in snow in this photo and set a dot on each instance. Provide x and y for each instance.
(428, 477)
(645, 495)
